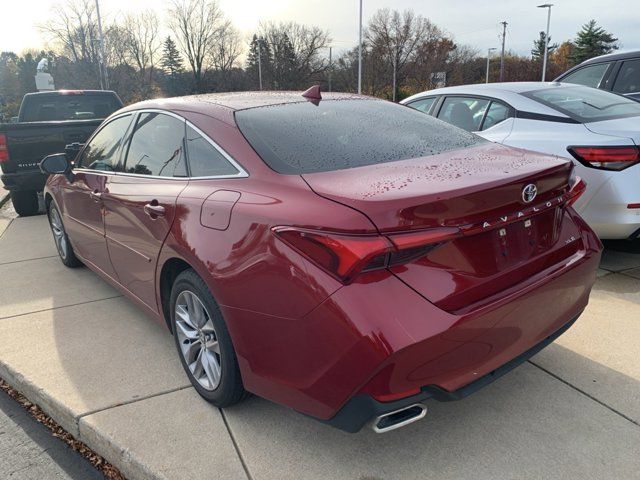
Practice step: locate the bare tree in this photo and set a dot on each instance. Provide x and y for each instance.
(73, 27)
(141, 43)
(197, 25)
(296, 52)
(397, 37)
(226, 48)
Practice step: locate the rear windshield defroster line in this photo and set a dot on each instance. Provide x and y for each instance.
(298, 138)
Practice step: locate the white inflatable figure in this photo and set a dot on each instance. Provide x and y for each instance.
(44, 80)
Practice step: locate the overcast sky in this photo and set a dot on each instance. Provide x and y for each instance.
(470, 22)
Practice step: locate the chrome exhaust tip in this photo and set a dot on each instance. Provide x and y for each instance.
(399, 418)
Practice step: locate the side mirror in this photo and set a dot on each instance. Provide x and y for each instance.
(71, 150)
(56, 164)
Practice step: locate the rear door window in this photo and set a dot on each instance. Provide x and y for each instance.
(498, 112)
(628, 79)
(101, 153)
(157, 146)
(423, 105)
(205, 160)
(464, 112)
(302, 137)
(590, 76)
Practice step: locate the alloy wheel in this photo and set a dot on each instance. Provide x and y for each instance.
(58, 232)
(198, 340)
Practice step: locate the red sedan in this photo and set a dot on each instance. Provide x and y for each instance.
(345, 256)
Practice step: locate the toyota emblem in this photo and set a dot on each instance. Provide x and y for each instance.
(529, 193)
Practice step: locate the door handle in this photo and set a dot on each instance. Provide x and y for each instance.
(154, 210)
(96, 196)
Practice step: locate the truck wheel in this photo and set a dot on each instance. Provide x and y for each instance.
(25, 203)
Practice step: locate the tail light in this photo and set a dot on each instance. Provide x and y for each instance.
(346, 256)
(606, 158)
(4, 151)
(577, 188)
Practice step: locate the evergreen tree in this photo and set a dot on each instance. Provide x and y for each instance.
(593, 41)
(537, 52)
(284, 64)
(259, 47)
(171, 59)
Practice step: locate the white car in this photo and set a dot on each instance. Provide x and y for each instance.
(598, 130)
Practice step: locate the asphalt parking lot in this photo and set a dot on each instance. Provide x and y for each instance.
(111, 377)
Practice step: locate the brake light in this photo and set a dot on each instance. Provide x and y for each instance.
(71, 92)
(346, 256)
(578, 187)
(606, 158)
(4, 151)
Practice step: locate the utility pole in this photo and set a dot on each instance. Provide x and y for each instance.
(330, 67)
(504, 34)
(104, 84)
(260, 63)
(395, 66)
(360, 51)
(546, 39)
(489, 50)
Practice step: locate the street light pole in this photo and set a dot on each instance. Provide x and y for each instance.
(330, 66)
(360, 51)
(546, 39)
(489, 50)
(103, 67)
(260, 63)
(504, 34)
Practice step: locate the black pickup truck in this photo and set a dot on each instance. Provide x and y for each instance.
(47, 123)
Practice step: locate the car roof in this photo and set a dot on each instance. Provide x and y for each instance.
(624, 55)
(492, 88)
(509, 92)
(210, 102)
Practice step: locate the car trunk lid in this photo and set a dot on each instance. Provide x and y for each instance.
(626, 128)
(502, 237)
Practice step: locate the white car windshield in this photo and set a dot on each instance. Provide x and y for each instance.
(586, 104)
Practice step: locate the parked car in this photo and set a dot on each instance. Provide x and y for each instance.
(346, 256)
(615, 72)
(46, 123)
(599, 130)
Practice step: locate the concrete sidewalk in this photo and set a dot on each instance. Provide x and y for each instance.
(111, 377)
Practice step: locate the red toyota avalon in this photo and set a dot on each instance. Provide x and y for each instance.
(345, 256)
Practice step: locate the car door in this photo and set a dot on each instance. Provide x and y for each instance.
(82, 196)
(140, 202)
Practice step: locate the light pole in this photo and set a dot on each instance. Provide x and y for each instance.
(103, 67)
(504, 35)
(546, 38)
(260, 62)
(489, 50)
(360, 51)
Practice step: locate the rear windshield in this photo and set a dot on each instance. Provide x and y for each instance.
(586, 104)
(301, 137)
(46, 108)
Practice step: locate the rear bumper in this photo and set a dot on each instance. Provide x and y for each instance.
(377, 338)
(31, 180)
(359, 411)
(606, 207)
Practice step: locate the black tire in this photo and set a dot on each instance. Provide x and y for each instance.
(25, 202)
(230, 389)
(63, 245)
